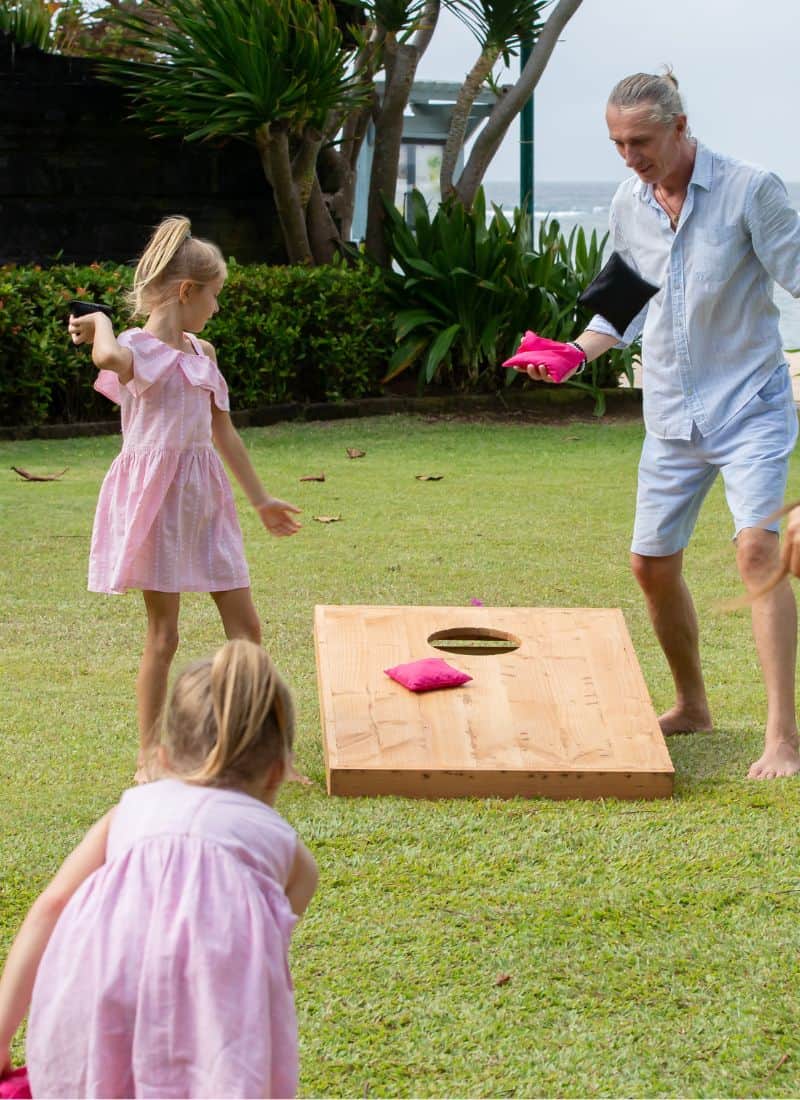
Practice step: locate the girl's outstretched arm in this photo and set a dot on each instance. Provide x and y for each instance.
(303, 879)
(16, 984)
(107, 354)
(276, 515)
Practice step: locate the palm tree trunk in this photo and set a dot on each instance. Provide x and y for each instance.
(304, 164)
(386, 152)
(322, 232)
(401, 60)
(458, 122)
(511, 104)
(273, 148)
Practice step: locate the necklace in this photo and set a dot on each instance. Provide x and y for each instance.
(672, 214)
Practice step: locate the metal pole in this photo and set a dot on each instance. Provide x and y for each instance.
(526, 142)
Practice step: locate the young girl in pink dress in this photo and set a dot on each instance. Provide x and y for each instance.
(166, 521)
(158, 955)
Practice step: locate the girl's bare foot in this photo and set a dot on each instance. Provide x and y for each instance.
(148, 767)
(294, 776)
(685, 719)
(780, 758)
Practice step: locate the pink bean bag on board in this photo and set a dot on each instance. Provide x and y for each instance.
(560, 359)
(427, 675)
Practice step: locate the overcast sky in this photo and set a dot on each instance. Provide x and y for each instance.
(738, 65)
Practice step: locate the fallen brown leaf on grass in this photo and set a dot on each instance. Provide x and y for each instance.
(313, 477)
(429, 477)
(502, 979)
(327, 519)
(353, 452)
(38, 477)
(784, 1058)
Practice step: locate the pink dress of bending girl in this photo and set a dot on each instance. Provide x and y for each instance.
(166, 519)
(167, 973)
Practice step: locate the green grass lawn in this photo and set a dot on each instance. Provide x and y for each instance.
(460, 948)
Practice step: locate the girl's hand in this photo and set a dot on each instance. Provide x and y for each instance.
(5, 1061)
(82, 329)
(276, 515)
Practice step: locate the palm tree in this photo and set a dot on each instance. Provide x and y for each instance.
(500, 26)
(286, 77)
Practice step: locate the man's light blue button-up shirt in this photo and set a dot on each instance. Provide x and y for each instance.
(710, 337)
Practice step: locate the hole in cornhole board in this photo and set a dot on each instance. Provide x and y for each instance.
(557, 706)
(474, 641)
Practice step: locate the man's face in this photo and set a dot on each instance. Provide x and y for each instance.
(651, 149)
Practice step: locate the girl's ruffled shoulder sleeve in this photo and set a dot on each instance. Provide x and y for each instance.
(152, 360)
(204, 372)
(108, 383)
(219, 388)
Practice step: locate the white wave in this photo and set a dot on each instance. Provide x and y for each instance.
(558, 213)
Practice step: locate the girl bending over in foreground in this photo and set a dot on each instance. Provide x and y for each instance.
(158, 955)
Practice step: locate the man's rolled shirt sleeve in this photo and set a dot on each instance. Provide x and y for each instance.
(775, 230)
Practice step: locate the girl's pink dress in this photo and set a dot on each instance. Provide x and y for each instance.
(166, 519)
(167, 973)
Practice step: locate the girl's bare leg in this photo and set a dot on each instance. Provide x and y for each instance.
(161, 643)
(240, 620)
(238, 613)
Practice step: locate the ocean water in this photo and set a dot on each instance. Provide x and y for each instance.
(587, 204)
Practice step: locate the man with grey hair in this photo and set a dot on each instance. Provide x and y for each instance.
(713, 234)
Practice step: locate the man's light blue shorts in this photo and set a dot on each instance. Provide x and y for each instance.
(752, 454)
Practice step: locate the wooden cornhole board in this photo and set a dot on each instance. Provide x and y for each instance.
(565, 715)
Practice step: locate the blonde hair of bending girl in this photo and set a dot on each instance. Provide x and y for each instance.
(171, 257)
(229, 720)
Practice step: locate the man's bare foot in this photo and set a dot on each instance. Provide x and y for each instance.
(781, 758)
(684, 719)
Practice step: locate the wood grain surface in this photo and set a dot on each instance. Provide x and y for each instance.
(566, 714)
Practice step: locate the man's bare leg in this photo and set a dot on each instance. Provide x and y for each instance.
(674, 620)
(775, 632)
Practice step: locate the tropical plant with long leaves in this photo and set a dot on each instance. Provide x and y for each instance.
(27, 22)
(466, 287)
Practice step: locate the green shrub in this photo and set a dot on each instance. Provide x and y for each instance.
(43, 377)
(283, 334)
(302, 333)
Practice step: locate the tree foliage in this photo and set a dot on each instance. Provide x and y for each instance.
(299, 80)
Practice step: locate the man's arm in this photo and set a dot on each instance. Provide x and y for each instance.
(593, 344)
(775, 231)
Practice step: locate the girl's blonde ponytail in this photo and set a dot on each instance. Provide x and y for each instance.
(229, 718)
(171, 256)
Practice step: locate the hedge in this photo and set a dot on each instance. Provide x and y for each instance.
(282, 334)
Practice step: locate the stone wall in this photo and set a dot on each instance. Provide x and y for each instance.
(81, 182)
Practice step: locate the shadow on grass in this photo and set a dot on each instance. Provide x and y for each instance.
(702, 759)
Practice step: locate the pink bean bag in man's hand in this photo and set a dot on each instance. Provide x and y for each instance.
(14, 1085)
(560, 359)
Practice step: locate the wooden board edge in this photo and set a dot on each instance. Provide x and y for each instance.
(626, 786)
